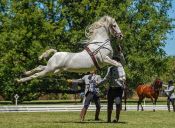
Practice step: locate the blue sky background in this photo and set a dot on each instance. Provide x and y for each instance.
(170, 42)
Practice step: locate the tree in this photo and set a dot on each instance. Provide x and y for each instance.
(148, 24)
(24, 35)
(28, 28)
(169, 73)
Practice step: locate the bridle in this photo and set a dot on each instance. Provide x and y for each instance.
(116, 34)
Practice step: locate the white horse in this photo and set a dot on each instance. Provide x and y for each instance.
(98, 52)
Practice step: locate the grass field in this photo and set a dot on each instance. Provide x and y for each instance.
(129, 119)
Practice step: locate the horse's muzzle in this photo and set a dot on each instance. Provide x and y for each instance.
(119, 35)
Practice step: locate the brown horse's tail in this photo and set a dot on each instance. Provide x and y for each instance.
(46, 54)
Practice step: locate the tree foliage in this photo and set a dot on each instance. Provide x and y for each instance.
(29, 27)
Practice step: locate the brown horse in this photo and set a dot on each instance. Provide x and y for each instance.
(149, 91)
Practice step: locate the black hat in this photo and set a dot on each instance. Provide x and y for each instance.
(170, 81)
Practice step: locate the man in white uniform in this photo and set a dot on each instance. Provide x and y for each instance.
(91, 93)
(169, 91)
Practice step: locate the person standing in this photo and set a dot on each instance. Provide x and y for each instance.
(91, 93)
(116, 78)
(169, 91)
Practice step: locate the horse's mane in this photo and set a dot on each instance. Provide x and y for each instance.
(157, 81)
(103, 21)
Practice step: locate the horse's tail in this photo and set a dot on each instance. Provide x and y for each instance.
(47, 53)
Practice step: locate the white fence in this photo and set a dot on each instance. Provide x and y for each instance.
(68, 108)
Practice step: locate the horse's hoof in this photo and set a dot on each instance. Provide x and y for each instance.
(18, 80)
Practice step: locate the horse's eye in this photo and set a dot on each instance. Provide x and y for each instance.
(114, 26)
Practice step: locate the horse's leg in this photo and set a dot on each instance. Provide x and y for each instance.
(140, 103)
(153, 101)
(56, 71)
(35, 70)
(36, 75)
(111, 62)
(168, 104)
(141, 106)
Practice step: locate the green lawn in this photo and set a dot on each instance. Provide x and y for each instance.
(130, 119)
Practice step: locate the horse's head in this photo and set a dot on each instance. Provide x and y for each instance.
(106, 22)
(157, 84)
(113, 27)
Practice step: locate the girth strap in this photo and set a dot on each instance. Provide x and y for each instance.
(92, 57)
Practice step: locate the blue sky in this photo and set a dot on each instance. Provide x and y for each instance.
(170, 42)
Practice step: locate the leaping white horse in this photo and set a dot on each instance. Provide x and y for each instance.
(97, 54)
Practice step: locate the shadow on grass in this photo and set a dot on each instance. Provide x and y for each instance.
(93, 121)
(104, 122)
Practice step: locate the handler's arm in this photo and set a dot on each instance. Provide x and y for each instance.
(78, 81)
(170, 89)
(105, 79)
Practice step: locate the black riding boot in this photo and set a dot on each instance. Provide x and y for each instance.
(109, 115)
(168, 105)
(117, 116)
(174, 108)
(118, 109)
(97, 114)
(173, 105)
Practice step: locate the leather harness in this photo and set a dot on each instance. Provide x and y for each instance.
(92, 57)
(95, 52)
